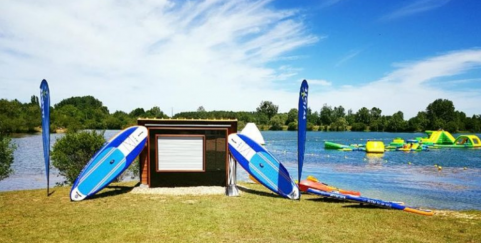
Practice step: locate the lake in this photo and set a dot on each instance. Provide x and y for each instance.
(388, 176)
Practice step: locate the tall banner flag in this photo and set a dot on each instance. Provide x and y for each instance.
(45, 108)
(302, 114)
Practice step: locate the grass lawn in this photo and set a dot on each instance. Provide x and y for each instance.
(115, 215)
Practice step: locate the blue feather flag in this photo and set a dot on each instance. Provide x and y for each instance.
(302, 114)
(45, 108)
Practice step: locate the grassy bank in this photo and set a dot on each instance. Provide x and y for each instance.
(115, 215)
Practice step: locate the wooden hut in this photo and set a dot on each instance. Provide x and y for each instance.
(183, 152)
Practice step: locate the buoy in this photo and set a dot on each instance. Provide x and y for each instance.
(435, 165)
(409, 163)
(465, 168)
(439, 167)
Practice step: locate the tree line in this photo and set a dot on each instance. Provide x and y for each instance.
(87, 112)
(440, 114)
(73, 113)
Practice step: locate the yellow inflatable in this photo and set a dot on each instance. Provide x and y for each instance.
(375, 147)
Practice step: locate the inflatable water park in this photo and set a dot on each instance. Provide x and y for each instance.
(435, 140)
(245, 148)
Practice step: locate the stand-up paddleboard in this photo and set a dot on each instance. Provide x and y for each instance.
(370, 201)
(307, 184)
(262, 166)
(109, 162)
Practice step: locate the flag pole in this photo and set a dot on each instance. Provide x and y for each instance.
(45, 109)
(302, 118)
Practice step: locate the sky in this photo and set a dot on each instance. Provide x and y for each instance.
(231, 55)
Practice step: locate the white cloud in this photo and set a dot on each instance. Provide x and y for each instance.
(411, 87)
(319, 82)
(134, 54)
(415, 7)
(455, 83)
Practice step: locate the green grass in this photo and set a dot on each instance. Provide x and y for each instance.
(115, 215)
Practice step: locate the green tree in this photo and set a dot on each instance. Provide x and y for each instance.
(17, 117)
(83, 103)
(384, 122)
(338, 112)
(358, 126)
(309, 126)
(262, 119)
(440, 109)
(156, 113)
(396, 123)
(276, 122)
(350, 117)
(68, 116)
(375, 113)
(246, 117)
(292, 116)
(363, 116)
(33, 116)
(71, 153)
(293, 126)
(241, 125)
(6, 156)
(476, 122)
(460, 120)
(326, 114)
(314, 118)
(120, 120)
(473, 124)
(419, 122)
(114, 123)
(451, 127)
(267, 108)
(137, 113)
(375, 125)
(339, 125)
(414, 125)
(34, 100)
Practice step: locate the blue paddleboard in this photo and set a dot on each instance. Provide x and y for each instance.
(370, 201)
(262, 166)
(109, 162)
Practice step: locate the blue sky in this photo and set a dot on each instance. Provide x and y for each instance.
(231, 55)
(364, 39)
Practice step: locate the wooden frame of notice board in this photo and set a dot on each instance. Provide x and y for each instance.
(215, 152)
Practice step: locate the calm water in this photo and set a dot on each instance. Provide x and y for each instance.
(28, 165)
(387, 176)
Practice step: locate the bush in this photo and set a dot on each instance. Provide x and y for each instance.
(451, 127)
(276, 123)
(6, 156)
(358, 127)
(241, 125)
(292, 126)
(309, 126)
(71, 153)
